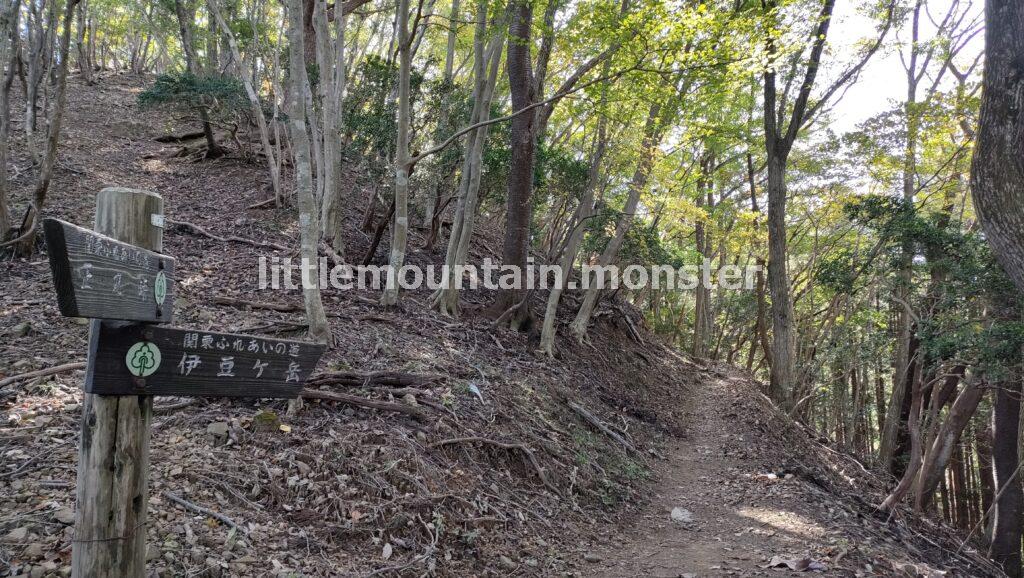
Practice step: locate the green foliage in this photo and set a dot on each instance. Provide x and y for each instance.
(221, 96)
(371, 111)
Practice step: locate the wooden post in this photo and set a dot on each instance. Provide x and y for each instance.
(113, 454)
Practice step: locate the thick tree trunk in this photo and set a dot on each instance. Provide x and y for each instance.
(997, 172)
(523, 143)
(1006, 536)
(783, 369)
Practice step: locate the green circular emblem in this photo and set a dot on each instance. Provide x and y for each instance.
(160, 288)
(143, 359)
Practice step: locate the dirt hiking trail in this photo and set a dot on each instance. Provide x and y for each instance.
(733, 498)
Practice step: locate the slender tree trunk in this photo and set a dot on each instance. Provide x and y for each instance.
(52, 136)
(309, 229)
(333, 212)
(702, 325)
(575, 239)
(186, 16)
(9, 11)
(446, 298)
(400, 229)
(916, 446)
(254, 101)
(986, 476)
(433, 198)
(946, 441)
(84, 63)
(651, 139)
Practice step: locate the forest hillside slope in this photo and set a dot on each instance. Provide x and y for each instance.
(481, 456)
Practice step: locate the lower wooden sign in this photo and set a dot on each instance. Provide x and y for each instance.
(141, 359)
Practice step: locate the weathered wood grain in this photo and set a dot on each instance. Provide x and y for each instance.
(195, 363)
(99, 277)
(112, 492)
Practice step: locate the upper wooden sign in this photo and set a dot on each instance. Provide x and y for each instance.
(136, 359)
(100, 278)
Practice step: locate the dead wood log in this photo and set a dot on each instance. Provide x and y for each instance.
(42, 372)
(597, 423)
(169, 138)
(374, 379)
(507, 446)
(363, 402)
(242, 303)
(204, 511)
(197, 230)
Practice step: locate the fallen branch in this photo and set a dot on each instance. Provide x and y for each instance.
(196, 229)
(336, 259)
(374, 379)
(171, 138)
(262, 204)
(204, 511)
(242, 303)
(175, 406)
(507, 446)
(42, 372)
(597, 423)
(363, 402)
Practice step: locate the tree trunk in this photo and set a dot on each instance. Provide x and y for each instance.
(446, 298)
(400, 229)
(309, 230)
(254, 101)
(651, 139)
(333, 210)
(186, 16)
(782, 377)
(576, 233)
(702, 322)
(1006, 536)
(986, 476)
(946, 441)
(84, 63)
(997, 173)
(9, 11)
(520, 176)
(27, 244)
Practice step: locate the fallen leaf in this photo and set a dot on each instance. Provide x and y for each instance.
(796, 564)
(285, 428)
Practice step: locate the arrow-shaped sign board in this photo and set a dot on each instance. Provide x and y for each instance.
(137, 359)
(100, 278)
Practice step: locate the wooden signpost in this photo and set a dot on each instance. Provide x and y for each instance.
(129, 358)
(101, 278)
(117, 276)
